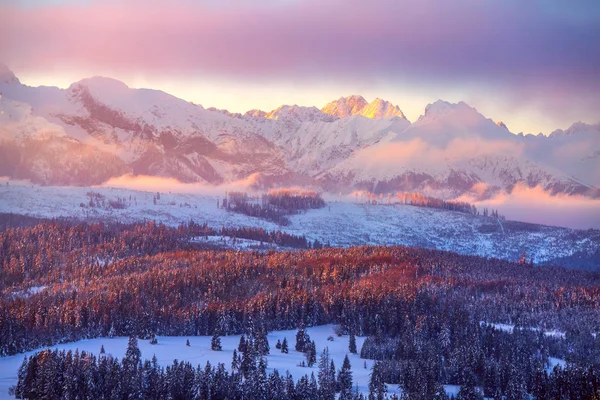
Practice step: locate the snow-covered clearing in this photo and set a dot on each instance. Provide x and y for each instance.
(553, 362)
(29, 292)
(199, 352)
(174, 347)
(510, 327)
(234, 243)
(340, 223)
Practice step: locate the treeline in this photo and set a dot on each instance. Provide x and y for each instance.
(421, 200)
(73, 375)
(275, 205)
(279, 238)
(293, 200)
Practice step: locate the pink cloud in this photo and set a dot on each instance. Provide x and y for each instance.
(391, 154)
(539, 206)
(162, 184)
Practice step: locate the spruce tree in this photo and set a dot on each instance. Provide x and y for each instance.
(22, 379)
(311, 354)
(284, 346)
(352, 343)
(262, 343)
(242, 344)
(345, 380)
(377, 388)
(302, 340)
(215, 342)
(326, 381)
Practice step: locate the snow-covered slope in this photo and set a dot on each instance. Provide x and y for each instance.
(33, 148)
(348, 144)
(343, 223)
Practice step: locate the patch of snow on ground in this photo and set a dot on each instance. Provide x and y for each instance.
(29, 292)
(553, 362)
(510, 327)
(235, 243)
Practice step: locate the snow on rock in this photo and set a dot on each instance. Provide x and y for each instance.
(357, 105)
(345, 106)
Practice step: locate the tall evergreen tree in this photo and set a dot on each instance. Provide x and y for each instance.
(284, 346)
(352, 343)
(132, 378)
(311, 354)
(326, 381)
(302, 340)
(345, 380)
(377, 388)
(242, 344)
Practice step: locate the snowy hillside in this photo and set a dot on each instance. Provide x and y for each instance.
(31, 147)
(342, 223)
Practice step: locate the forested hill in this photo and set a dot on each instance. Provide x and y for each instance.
(62, 283)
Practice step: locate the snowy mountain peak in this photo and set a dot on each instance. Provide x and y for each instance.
(7, 76)
(379, 108)
(502, 125)
(100, 83)
(441, 108)
(357, 105)
(576, 129)
(296, 112)
(255, 113)
(345, 106)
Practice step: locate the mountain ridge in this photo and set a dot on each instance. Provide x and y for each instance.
(348, 144)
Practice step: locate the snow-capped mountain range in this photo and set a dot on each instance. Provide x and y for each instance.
(99, 128)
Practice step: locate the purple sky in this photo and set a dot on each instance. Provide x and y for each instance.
(534, 64)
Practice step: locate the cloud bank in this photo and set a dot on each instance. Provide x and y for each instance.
(161, 184)
(539, 206)
(547, 52)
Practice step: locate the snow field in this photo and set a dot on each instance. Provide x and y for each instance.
(199, 352)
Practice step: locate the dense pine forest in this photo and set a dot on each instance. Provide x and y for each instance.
(426, 313)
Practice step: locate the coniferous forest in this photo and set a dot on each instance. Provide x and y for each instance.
(428, 315)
